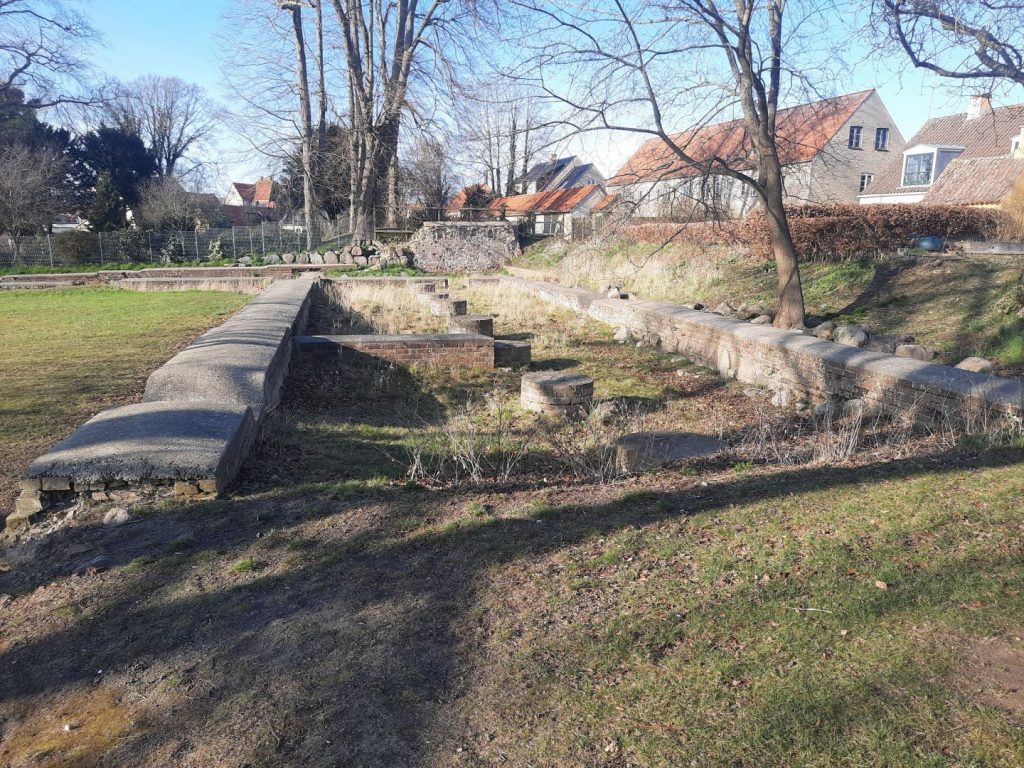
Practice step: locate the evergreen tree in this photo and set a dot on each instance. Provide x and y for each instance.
(107, 210)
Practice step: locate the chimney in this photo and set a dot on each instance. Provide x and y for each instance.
(979, 106)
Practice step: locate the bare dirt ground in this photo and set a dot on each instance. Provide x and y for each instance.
(329, 612)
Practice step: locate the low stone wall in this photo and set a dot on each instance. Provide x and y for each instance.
(245, 360)
(795, 366)
(198, 420)
(441, 349)
(464, 246)
(248, 285)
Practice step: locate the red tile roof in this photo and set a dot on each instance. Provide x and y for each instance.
(263, 193)
(801, 133)
(606, 202)
(245, 191)
(260, 194)
(459, 201)
(986, 136)
(552, 201)
(975, 181)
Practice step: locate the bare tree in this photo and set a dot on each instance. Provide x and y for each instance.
(166, 204)
(29, 179)
(294, 9)
(382, 42)
(427, 175)
(43, 53)
(503, 129)
(173, 117)
(963, 40)
(648, 66)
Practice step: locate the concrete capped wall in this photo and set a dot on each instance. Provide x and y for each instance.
(245, 360)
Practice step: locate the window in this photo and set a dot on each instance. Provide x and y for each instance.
(881, 139)
(865, 180)
(855, 131)
(917, 170)
(1014, 146)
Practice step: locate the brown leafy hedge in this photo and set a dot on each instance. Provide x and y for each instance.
(832, 232)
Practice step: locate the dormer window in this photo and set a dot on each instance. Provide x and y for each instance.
(1014, 146)
(917, 169)
(923, 164)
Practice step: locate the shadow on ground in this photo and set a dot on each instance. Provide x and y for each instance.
(355, 652)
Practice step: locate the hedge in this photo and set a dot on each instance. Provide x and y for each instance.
(827, 232)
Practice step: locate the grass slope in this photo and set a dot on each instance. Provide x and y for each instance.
(65, 354)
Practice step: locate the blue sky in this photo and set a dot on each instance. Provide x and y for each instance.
(178, 38)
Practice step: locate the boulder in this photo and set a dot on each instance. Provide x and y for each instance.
(725, 308)
(914, 352)
(885, 342)
(621, 334)
(824, 330)
(850, 335)
(762, 320)
(355, 250)
(302, 258)
(288, 258)
(316, 258)
(331, 257)
(360, 261)
(273, 259)
(345, 257)
(245, 261)
(977, 365)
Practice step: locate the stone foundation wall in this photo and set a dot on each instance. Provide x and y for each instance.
(464, 246)
(797, 367)
(441, 349)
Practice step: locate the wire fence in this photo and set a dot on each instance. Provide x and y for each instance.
(73, 248)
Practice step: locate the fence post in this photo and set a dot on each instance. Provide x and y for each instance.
(102, 260)
(234, 250)
(263, 240)
(149, 239)
(197, 243)
(49, 247)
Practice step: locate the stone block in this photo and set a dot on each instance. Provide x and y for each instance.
(642, 451)
(55, 483)
(153, 441)
(478, 324)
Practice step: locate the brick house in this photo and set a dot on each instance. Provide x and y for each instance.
(261, 194)
(972, 158)
(830, 149)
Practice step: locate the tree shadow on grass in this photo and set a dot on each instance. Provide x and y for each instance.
(354, 654)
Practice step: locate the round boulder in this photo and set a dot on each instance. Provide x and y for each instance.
(914, 352)
(850, 335)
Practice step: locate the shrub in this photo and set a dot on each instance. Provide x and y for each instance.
(834, 232)
(72, 248)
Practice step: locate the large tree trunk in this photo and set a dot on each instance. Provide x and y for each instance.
(790, 294)
(306, 121)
